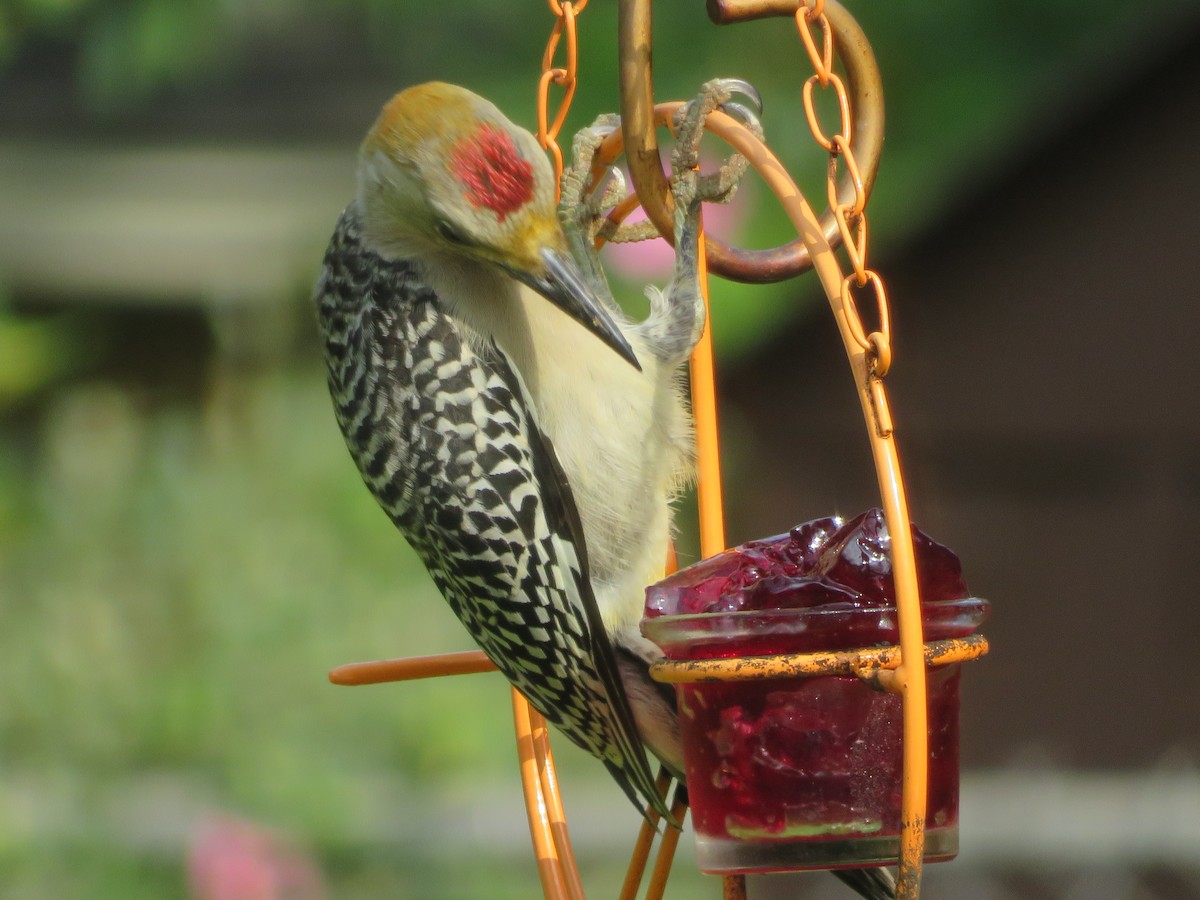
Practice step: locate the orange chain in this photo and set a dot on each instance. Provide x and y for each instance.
(565, 78)
(817, 37)
(543, 806)
(876, 347)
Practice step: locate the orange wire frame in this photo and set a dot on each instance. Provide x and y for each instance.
(547, 822)
(900, 669)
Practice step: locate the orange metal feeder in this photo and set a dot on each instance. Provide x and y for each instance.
(827, 32)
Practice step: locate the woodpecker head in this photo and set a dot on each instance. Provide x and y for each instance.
(443, 172)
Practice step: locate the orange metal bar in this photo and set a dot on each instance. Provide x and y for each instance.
(666, 851)
(555, 814)
(862, 662)
(384, 670)
(645, 841)
(704, 415)
(709, 497)
(550, 868)
(637, 861)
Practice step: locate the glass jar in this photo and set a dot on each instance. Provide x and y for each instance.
(805, 772)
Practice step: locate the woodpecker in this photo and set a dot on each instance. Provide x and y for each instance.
(524, 435)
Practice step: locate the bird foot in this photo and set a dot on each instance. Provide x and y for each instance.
(677, 315)
(721, 185)
(585, 199)
(590, 184)
(591, 187)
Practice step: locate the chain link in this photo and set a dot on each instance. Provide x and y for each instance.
(851, 217)
(810, 112)
(877, 344)
(823, 61)
(564, 77)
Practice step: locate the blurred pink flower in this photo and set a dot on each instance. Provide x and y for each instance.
(651, 261)
(235, 859)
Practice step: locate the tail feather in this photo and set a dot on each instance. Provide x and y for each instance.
(871, 884)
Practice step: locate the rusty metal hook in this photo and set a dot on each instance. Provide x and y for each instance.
(641, 142)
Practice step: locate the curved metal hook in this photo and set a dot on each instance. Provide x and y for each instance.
(645, 165)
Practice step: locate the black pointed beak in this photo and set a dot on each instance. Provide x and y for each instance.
(564, 286)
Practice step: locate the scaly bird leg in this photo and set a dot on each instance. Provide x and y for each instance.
(677, 314)
(676, 318)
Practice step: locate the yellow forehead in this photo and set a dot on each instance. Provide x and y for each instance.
(427, 112)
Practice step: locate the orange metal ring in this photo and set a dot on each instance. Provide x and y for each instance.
(881, 355)
(565, 24)
(840, 149)
(856, 243)
(543, 112)
(863, 662)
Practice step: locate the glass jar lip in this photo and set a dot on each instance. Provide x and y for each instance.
(966, 611)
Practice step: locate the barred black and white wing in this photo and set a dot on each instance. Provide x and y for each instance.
(445, 436)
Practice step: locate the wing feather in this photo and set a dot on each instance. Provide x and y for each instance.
(443, 431)
(501, 535)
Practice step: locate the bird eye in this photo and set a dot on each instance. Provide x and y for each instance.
(451, 234)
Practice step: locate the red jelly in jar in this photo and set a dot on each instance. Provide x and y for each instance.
(806, 772)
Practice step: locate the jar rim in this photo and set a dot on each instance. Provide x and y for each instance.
(964, 612)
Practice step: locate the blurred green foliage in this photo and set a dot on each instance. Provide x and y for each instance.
(173, 588)
(35, 353)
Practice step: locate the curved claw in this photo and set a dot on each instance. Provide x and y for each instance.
(587, 141)
(597, 133)
(594, 137)
(610, 184)
(602, 126)
(744, 115)
(746, 89)
(689, 129)
(715, 94)
(588, 177)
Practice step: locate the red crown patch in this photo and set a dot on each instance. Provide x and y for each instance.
(494, 174)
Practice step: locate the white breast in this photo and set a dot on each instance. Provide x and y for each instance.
(623, 437)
